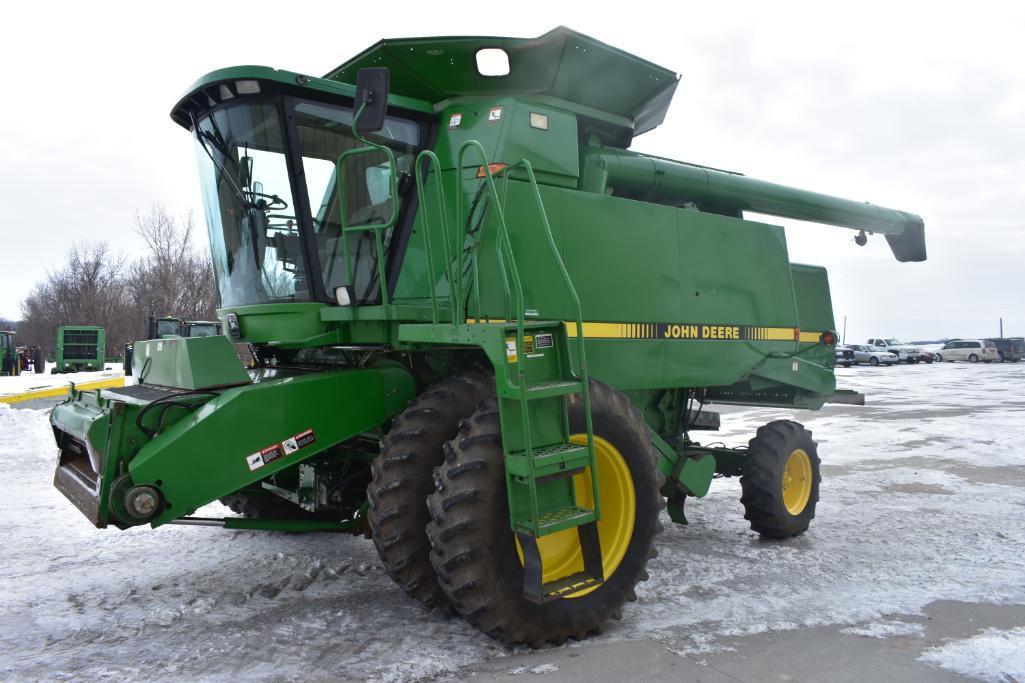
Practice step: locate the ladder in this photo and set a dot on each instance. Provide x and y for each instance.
(551, 478)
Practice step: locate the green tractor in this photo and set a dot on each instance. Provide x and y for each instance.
(9, 362)
(486, 332)
(16, 359)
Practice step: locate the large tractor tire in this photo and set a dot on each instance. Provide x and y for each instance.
(476, 555)
(403, 478)
(781, 478)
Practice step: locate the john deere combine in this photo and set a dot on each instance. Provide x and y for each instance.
(486, 332)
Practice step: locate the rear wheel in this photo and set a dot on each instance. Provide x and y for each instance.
(781, 479)
(402, 480)
(475, 552)
(972, 358)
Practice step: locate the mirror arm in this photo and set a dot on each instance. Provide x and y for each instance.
(355, 121)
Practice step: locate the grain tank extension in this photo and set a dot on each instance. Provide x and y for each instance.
(484, 331)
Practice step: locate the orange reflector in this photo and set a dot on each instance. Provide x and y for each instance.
(797, 334)
(494, 168)
(828, 338)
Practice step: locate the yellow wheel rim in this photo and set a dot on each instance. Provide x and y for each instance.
(560, 552)
(797, 482)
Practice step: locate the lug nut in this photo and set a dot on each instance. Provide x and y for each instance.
(143, 502)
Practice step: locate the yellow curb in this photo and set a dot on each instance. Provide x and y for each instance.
(63, 391)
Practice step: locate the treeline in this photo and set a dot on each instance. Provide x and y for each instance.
(97, 286)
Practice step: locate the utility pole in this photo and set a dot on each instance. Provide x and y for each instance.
(1001, 328)
(844, 337)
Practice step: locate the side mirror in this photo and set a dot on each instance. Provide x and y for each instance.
(245, 171)
(372, 95)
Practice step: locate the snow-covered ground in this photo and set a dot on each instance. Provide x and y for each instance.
(995, 655)
(30, 381)
(923, 499)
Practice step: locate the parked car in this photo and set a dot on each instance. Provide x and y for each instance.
(971, 350)
(927, 356)
(906, 353)
(844, 356)
(1010, 349)
(873, 355)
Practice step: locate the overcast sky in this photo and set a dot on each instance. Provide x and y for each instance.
(915, 106)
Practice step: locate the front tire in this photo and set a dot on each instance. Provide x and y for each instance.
(873, 361)
(403, 478)
(474, 550)
(781, 478)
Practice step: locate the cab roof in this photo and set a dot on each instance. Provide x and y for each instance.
(561, 64)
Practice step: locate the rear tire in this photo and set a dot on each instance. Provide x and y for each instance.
(781, 478)
(402, 480)
(474, 550)
(972, 358)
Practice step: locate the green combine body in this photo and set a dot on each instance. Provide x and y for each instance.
(80, 348)
(460, 286)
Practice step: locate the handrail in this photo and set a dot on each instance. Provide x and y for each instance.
(510, 278)
(575, 299)
(507, 260)
(454, 283)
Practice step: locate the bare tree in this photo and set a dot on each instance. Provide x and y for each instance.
(99, 287)
(174, 278)
(88, 290)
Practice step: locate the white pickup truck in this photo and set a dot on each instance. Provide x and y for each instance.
(906, 353)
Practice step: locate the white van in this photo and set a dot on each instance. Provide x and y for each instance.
(971, 350)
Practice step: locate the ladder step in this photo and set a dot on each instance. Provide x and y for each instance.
(549, 460)
(553, 590)
(593, 573)
(554, 388)
(555, 520)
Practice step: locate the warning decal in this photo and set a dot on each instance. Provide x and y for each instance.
(294, 443)
(286, 447)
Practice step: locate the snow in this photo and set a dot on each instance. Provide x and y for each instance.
(886, 629)
(536, 670)
(995, 655)
(29, 381)
(923, 499)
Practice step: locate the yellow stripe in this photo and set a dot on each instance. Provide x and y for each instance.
(778, 333)
(648, 331)
(63, 391)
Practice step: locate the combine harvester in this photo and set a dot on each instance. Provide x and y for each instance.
(486, 331)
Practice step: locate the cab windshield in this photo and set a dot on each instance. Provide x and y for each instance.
(257, 233)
